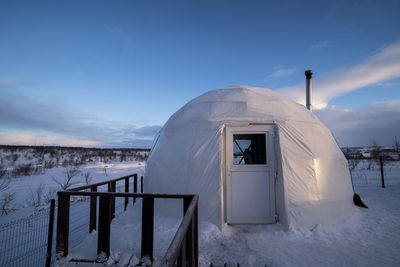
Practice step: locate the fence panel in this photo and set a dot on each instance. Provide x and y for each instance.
(24, 242)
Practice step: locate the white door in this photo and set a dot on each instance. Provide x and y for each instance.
(250, 175)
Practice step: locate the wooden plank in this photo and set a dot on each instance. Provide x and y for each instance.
(147, 227)
(134, 186)
(122, 194)
(80, 188)
(93, 210)
(62, 225)
(103, 240)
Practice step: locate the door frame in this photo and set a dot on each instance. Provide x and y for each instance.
(269, 168)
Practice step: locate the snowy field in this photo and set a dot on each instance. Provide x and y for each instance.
(33, 178)
(29, 178)
(369, 238)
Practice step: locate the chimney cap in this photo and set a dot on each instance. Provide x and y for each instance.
(308, 73)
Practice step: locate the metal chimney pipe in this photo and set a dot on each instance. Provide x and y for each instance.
(308, 74)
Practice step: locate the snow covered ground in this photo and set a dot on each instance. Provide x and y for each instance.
(369, 238)
(26, 187)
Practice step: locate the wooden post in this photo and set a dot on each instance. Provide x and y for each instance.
(50, 233)
(103, 236)
(147, 227)
(126, 191)
(134, 186)
(141, 184)
(112, 200)
(382, 176)
(93, 210)
(62, 225)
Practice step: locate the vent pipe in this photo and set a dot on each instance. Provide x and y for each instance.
(308, 74)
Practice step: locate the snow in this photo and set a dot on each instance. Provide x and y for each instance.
(25, 187)
(368, 238)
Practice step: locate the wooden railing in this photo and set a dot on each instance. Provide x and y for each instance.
(111, 188)
(184, 247)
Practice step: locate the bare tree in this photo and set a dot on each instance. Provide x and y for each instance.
(105, 170)
(37, 195)
(3, 171)
(50, 194)
(375, 150)
(4, 181)
(396, 144)
(5, 201)
(87, 177)
(67, 182)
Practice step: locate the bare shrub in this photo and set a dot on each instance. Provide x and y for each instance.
(37, 195)
(67, 182)
(3, 171)
(65, 163)
(50, 194)
(360, 175)
(105, 170)
(22, 170)
(122, 156)
(6, 202)
(375, 150)
(353, 163)
(14, 158)
(87, 177)
(4, 183)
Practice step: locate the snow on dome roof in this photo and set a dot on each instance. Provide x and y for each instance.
(241, 103)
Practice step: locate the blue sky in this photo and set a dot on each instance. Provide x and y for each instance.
(110, 73)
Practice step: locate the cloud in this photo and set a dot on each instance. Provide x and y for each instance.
(21, 114)
(33, 139)
(379, 122)
(281, 72)
(11, 83)
(144, 131)
(320, 45)
(378, 68)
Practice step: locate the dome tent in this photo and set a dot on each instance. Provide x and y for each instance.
(253, 156)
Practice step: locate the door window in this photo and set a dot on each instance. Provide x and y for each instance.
(249, 149)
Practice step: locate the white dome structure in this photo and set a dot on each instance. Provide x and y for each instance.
(253, 156)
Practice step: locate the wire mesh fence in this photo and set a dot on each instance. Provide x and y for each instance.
(24, 242)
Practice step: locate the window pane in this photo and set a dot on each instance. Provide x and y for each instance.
(249, 149)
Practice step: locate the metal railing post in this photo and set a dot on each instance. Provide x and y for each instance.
(50, 233)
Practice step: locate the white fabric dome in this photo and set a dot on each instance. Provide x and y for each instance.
(313, 183)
